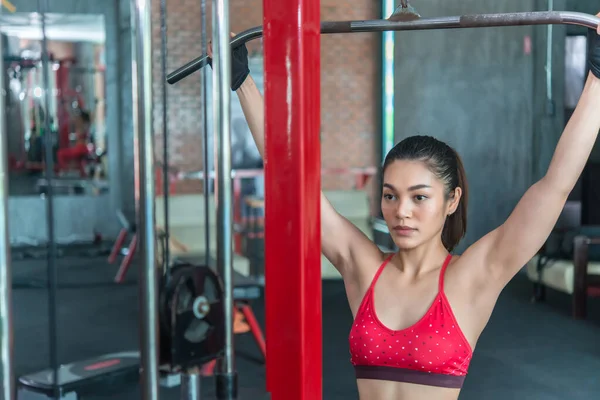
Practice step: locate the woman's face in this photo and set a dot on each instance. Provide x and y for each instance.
(413, 203)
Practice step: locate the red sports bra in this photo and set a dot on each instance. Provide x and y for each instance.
(432, 352)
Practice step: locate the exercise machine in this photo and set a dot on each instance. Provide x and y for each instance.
(294, 331)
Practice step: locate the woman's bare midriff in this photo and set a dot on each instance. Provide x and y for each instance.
(383, 390)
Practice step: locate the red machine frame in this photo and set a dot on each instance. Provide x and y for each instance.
(293, 178)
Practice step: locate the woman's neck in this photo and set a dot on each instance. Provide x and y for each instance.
(422, 259)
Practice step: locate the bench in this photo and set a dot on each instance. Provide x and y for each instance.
(100, 375)
(564, 263)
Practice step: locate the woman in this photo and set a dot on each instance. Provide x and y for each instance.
(419, 312)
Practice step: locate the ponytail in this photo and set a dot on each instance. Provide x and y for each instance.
(455, 227)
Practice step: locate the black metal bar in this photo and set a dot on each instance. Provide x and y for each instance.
(165, 164)
(456, 22)
(52, 250)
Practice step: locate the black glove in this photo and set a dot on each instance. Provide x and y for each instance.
(239, 66)
(594, 52)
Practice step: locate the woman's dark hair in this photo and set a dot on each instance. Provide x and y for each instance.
(443, 161)
(85, 116)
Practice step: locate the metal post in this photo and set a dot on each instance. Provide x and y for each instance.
(227, 377)
(293, 176)
(387, 84)
(7, 388)
(550, 108)
(52, 272)
(165, 169)
(191, 386)
(205, 143)
(144, 164)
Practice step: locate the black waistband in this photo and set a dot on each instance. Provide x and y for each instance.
(408, 376)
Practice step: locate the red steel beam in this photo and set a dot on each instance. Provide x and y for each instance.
(292, 193)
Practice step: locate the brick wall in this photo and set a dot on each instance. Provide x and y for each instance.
(349, 90)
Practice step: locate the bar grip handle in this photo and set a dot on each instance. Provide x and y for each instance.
(512, 19)
(199, 62)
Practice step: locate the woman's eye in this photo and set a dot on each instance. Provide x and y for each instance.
(420, 197)
(388, 196)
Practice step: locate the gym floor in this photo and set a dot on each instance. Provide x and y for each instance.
(528, 351)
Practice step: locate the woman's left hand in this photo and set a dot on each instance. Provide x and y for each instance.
(594, 51)
(239, 64)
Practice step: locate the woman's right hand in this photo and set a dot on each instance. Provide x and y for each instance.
(239, 64)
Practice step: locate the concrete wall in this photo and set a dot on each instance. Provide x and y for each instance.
(123, 149)
(472, 88)
(589, 7)
(76, 219)
(547, 126)
(484, 92)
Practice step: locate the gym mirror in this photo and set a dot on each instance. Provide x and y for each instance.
(75, 103)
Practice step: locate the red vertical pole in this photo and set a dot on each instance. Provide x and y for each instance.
(292, 199)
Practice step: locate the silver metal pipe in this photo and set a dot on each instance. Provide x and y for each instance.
(549, 95)
(165, 120)
(205, 143)
(221, 120)
(480, 21)
(378, 25)
(191, 386)
(51, 271)
(144, 163)
(7, 383)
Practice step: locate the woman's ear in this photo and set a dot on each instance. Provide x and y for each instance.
(454, 201)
